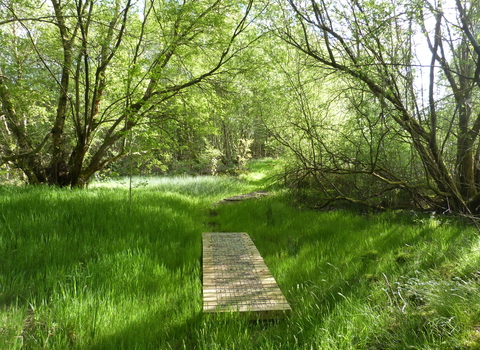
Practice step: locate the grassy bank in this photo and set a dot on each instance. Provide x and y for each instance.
(85, 270)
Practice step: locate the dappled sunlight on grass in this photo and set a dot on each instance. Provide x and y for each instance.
(255, 177)
(188, 185)
(264, 172)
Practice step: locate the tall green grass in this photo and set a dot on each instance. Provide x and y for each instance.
(84, 269)
(385, 281)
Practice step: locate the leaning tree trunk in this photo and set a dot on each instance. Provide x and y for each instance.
(366, 49)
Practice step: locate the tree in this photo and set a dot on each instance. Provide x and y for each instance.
(372, 47)
(106, 68)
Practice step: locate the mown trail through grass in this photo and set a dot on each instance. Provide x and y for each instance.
(84, 270)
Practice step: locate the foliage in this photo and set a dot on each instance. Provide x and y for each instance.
(373, 103)
(374, 52)
(79, 78)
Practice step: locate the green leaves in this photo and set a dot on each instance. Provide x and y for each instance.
(98, 70)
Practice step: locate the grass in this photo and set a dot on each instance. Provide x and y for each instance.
(81, 269)
(388, 281)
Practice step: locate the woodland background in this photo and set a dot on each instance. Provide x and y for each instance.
(370, 102)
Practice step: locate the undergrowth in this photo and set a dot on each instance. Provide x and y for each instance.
(90, 269)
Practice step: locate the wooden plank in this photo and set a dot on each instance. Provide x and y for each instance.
(235, 278)
(242, 197)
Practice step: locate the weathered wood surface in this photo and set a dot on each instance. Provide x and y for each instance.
(235, 278)
(242, 197)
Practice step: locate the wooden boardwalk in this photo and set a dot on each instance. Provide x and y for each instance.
(242, 197)
(235, 278)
